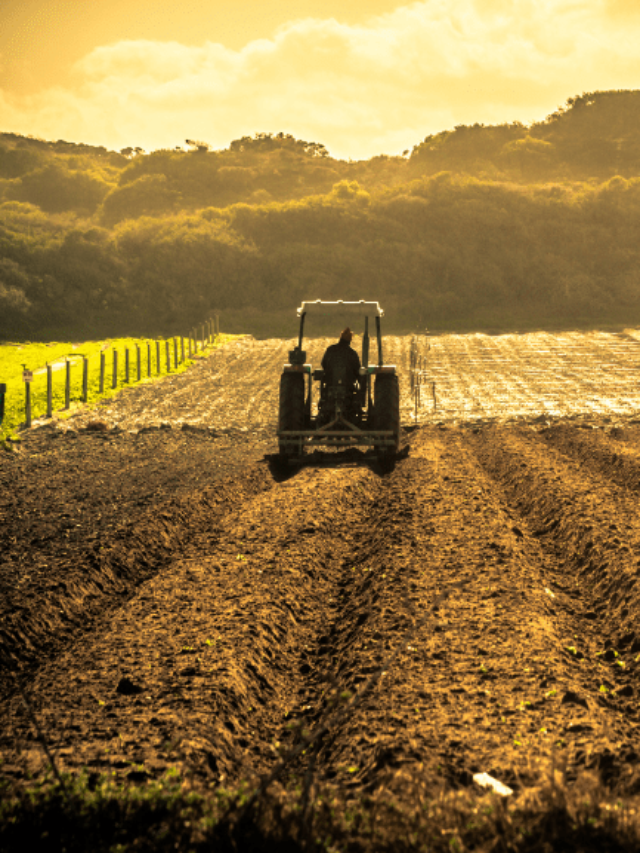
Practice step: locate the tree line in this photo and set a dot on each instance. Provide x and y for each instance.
(478, 227)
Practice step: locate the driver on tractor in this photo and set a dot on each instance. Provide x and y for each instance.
(340, 362)
(341, 365)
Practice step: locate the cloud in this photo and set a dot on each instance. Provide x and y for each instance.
(360, 89)
(622, 8)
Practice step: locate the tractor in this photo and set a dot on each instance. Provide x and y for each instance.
(348, 414)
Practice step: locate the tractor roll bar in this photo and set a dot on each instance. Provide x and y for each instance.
(352, 309)
(365, 343)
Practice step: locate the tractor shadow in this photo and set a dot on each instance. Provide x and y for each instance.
(282, 470)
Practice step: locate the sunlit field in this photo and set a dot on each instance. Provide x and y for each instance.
(438, 653)
(532, 375)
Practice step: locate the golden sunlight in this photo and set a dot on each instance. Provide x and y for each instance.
(364, 79)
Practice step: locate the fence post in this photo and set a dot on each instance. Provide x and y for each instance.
(412, 366)
(148, 358)
(127, 374)
(102, 371)
(67, 384)
(202, 335)
(175, 352)
(217, 325)
(138, 363)
(49, 391)
(157, 356)
(27, 403)
(85, 378)
(114, 378)
(181, 348)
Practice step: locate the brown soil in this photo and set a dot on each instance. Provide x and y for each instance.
(172, 599)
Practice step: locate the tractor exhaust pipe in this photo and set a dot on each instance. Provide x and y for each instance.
(365, 343)
(302, 316)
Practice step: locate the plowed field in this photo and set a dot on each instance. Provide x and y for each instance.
(173, 599)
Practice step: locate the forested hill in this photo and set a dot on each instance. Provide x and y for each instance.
(482, 226)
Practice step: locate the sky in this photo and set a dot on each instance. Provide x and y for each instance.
(363, 77)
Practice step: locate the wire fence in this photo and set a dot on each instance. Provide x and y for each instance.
(419, 375)
(84, 377)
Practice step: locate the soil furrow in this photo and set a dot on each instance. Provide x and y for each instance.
(498, 629)
(612, 453)
(590, 535)
(177, 603)
(592, 522)
(40, 615)
(299, 592)
(217, 648)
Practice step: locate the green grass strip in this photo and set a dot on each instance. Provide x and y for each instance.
(35, 357)
(104, 815)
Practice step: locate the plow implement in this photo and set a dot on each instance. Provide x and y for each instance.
(294, 442)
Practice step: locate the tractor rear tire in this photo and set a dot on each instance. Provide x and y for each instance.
(291, 415)
(386, 405)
